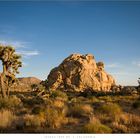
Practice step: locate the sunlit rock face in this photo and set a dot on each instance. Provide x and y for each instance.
(79, 73)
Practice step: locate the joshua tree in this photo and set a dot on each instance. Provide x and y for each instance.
(10, 62)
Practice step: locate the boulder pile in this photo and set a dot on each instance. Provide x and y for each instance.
(79, 73)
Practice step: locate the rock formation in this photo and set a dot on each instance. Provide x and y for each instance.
(78, 73)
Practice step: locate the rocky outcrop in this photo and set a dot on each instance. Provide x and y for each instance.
(129, 90)
(78, 73)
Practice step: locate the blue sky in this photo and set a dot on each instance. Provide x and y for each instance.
(47, 32)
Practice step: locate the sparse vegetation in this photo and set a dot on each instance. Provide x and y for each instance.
(136, 104)
(104, 114)
(32, 121)
(55, 117)
(6, 119)
(10, 103)
(60, 113)
(59, 94)
(80, 110)
(95, 126)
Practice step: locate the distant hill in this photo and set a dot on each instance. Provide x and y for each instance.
(24, 84)
(29, 80)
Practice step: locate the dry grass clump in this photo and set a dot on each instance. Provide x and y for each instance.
(58, 103)
(87, 109)
(107, 98)
(10, 103)
(129, 123)
(95, 126)
(55, 117)
(79, 100)
(94, 99)
(6, 118)
(111, 111)
(119, 128)
(130, 120)
(33, 121)
(72, 120)
(80, 110)
(59, 94)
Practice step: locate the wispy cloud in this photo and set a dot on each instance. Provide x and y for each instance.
(21, 46)
(113, 65)
(136, 63)
(16, 44)
(28, 53)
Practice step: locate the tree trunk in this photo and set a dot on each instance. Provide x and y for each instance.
(2, 86)
(8, 90)
(3, 90)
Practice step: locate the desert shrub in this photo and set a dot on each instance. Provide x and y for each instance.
(106, 98)
(80, 110)
(33, 101)
(72, 121)
(129, 90)
(19, 123)
(6, 119)
(55, 117)
(119, 128)
(112, 110)
(60, 94)
(10, 103)
(87, 109)
(94, 99)
(95, 126)
(136, 104)
(58, 103)
(37, 110)
(22, 111)
(129, 123)
(74, 100)
(132, 120)
(32, 121)
(87, 94)
(81, 99)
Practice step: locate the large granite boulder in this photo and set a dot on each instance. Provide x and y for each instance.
(78, 73)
